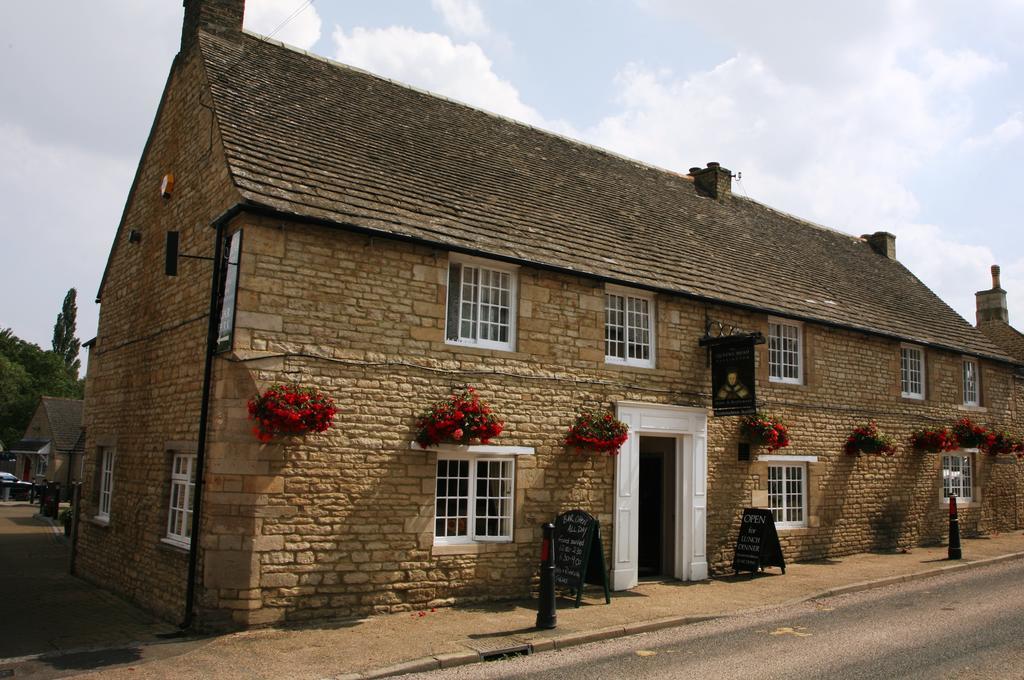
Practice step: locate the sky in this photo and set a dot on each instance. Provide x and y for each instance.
(904, 116)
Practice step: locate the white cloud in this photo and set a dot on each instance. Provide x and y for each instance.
(302, 29)
(433, 62)
(1010, 129)
(68, 206)
(462, 16)
(836, 137)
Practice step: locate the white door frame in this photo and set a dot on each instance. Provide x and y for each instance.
(689, 427)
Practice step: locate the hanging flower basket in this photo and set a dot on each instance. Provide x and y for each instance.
(933, 441)
(867, 439)
(460, 419)
(290, 409)
(969, 435)
(599, 432)
(1002, 442)
(765, 430)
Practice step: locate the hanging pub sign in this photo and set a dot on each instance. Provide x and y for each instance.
(732, 376)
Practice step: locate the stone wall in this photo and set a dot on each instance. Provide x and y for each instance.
(145, 371)
(340, 524)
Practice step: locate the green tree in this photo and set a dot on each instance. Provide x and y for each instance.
(27, 372)
(65, 343)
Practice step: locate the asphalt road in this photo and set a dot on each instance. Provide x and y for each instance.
(967, 625)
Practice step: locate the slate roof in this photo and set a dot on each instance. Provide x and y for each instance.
(29, 445)
(1005, 336)
(317, 139)
(65, 417)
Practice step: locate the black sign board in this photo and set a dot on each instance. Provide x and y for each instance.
(732, 377)
(758, 546)
(579, 557)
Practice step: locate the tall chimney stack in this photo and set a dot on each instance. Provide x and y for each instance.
(213, 16)
(883, 243)
(991, 304)
(714, 181)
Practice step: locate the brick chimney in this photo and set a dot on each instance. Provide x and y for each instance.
(883, 243)
(991, 304)
(213, 16)
(714, 181)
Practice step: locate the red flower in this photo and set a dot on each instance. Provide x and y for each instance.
(603, 433)
(461, 418)
(766, 431)
(290, 410)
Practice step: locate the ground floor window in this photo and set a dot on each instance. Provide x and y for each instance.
(787, 494)
(41, 465)
(183, 485)
(106, 483)
(474, 499)
(957, 476)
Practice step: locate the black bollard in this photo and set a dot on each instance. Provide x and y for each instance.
(546, 616)
(954, 531)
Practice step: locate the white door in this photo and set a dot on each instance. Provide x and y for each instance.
(689, 427)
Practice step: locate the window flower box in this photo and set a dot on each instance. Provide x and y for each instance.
(933, 441)
(459, 419)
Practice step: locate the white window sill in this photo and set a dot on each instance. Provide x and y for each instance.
(100, 521)
(908, 395)
(782, 458)
(487, 449)
(785, 381)
(615, 361)
(179, 545)
(790, 527)
(974, 408)
(500, 347)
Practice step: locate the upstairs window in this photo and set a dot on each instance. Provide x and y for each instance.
(785, 363)
(481, 305)
(971, 394)
(912, 372)
(629, 328)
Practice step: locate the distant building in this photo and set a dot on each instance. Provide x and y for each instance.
(385, 246)
(52, 446)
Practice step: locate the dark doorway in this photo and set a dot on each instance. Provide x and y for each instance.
(657, 506)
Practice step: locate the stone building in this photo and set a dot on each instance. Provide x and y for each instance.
(51, 450)
(386, 246)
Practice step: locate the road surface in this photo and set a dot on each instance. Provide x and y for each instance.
(966, 625)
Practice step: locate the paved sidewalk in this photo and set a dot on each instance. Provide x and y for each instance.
(47, 611)
(411, 642)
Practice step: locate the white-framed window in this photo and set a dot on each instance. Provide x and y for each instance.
(628, 328)
(183, 484)
(106, 484)
(787, 494)
(785, 352)
(912, 372)
(474, 500)
(971, 391)
(957, 475)
(481, 304)
(42, 463)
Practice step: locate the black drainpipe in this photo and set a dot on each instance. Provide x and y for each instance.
(213, 323)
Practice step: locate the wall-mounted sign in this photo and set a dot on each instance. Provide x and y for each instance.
(732, 376)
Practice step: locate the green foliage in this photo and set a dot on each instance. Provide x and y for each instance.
(27, 372)
(65, 344)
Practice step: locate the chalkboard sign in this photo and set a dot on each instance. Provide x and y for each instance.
(758, 546)
(579, 557)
